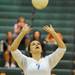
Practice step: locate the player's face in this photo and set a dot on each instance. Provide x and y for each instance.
(35, 47)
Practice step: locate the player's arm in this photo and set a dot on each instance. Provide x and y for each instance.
(52, 31)
(17, 55)
(17, 41)
(56, 56)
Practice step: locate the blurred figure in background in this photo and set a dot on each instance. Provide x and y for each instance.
(9, 61)
(36, 36)
(49, 40)
(21, 22)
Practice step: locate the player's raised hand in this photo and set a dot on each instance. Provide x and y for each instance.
(26, 29)
(48, 29)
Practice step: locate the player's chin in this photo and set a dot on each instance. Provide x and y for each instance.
(38, 50)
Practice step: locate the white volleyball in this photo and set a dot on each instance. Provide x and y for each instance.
(40, 4)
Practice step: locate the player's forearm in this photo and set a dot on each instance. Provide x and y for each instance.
(17, 41)
(58, 40)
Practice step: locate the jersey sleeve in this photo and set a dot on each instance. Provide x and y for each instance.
(55, 57)
(19, 58)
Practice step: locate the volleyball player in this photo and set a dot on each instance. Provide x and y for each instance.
(37, 65)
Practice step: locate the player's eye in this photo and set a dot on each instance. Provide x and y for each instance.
(33, 44)
(38, 43)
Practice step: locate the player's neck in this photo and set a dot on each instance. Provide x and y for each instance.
(36, 56)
